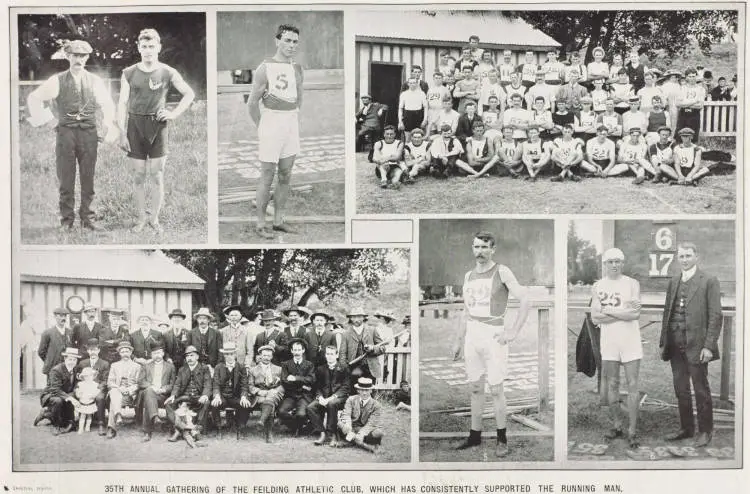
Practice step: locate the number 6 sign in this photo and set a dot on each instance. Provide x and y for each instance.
(662, 252)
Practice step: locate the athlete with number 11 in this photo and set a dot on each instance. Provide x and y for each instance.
(274, 105)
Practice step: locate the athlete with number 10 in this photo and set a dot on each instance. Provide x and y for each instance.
(274, 105)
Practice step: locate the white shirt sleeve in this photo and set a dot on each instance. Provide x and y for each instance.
(47, 91)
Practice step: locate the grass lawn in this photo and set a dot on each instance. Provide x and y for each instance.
(435, 339)
(493, 195)
(322, 115)
(184, 216)
(39, 447)
(587, 421)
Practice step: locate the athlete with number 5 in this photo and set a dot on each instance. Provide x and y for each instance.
(483, 338)
(616, 307)
(274, 105)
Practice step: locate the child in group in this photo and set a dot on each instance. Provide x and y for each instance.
(403, 396)
(599, 96)
(444, 151)
(184, 422)
(387, 156)
(416, 155)
(85, 392)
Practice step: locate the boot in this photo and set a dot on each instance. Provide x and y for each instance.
(320, 440)
(267, 429)
(102, 430)
(364, 445)
(174, 437)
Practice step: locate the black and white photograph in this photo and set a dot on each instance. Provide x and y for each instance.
(110, 144)
(280, 86)
(598, 111)
(222, 357)
(652, 343)
(486, 340)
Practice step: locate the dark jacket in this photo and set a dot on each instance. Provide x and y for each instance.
(210, 354)
(702, 314)
(316, 346)
(371, 119)
(717, 94)
(202, 377)
(353, 345)
(60, 383)
(174, 346)
(283, 351)
(587, 347)
(142, 345)
(230, 384)
(168, 377)
(82, 334)
(332, 382)
(101, 371)
(108, 341)
(463, 129)
(304, 375)
(52, 345)
(261, 339)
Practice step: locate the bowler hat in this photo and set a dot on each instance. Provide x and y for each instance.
(298, 340)
(363, 383)
(156, 346)
(203, 311)
(303, 311)
(177, 313)
(320, 313)
(93, 342)
(191, 349)
(269, 315)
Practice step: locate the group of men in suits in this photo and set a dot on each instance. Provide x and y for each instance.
(299, 372)
(691, 325)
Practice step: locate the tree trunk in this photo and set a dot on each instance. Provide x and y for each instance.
(307, 295)
(596, 33)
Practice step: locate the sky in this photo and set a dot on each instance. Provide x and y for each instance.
(590, 230)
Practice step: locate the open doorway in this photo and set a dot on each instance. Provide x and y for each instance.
(385, 86)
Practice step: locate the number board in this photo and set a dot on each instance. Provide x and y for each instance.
(662, 249)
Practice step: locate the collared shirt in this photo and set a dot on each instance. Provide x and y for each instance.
(202, 330)
(193, 367)
(93, 361)
(358, 329)
(365, 402)
(90, 324)
(230, 368)
(686, 275)
(297, 362)
(61, 330)
(50, 89)
(158, 370)
(320, 332)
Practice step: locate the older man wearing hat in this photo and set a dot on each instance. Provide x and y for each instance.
(233, 331)
(193, 384)
(88, 328)
(361, 340)
(361, 422)
(205, 339)
(298, 379)
(143, 338)
(175, 338)
(572, 91)
(58, 397)
(318, 337)
(77, 95)
(265, 388)
(368, 118)
(123, 386)
(269, 336)
(101, 375)
(156, 380)
(55, 340)
(616, 307)
(230, 387)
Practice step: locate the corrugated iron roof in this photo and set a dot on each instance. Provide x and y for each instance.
(493, 28)
(90, 265)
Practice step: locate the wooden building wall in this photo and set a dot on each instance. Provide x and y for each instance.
(428, 57)
(244, 39)
(40, 299)
(525, 246)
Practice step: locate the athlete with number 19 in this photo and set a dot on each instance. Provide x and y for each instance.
(274, 105)
(483, 338)
(616, 307)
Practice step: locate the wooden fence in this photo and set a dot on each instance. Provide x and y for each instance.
(719, 119)
(397, 360)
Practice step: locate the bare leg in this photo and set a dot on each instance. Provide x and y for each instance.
(283, 188)
(668, 170)
(263, 194)
(498, 400)
(81, 423)
(618, 169)
(477, 404)
(632, 369)
(155, 168)
(610, 369)
(465, 167)
(139, 168)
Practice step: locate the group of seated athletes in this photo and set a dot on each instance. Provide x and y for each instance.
(479, 119)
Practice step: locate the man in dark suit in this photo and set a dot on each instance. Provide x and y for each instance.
(87, 329)
(369, 125)
(205, 339)
(318, 337)
(194, 384)
(230, 388)
(295, 329)
(270, 334)
(298, 379)
(155, 382)
(359, 340)
(143, 339)
(689, 341)
(332, 390)
(58, 395)
(361, 421)
(55, 340)
(175, 339)
(101, 373)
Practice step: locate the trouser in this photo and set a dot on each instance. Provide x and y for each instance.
(690, 118)
(151, 401)
(241, 413)
(117, 401)
(101, 406)
(315, 411)
(194, 405)
(375, 436)
(294, 410)
(76, 145)
(683, 372)
(61, 411)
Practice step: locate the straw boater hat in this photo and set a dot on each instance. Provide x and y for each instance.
(230, 308)
(363, 383)
(357, 311)
(177, 313)
(229, 347)
(203, 311)
(71, 352)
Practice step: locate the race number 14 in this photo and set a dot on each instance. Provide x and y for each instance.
(662, 251)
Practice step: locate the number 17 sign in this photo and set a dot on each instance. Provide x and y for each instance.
(662, 251)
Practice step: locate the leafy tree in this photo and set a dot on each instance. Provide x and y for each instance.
(583, 260)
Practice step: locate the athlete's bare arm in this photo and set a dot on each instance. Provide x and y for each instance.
(596, 309)
(260, 83)
(632, 310)
(518, 291)
(122, 112)
(188, 95)
(300, 90)
(458, 342)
